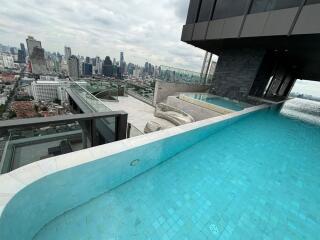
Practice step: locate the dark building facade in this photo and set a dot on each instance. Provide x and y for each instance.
(23, 53)
(130, 68)
(21, 58)
(107, 67)
(263, 45)
(87, 69)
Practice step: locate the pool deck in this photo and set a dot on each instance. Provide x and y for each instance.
(139, 113)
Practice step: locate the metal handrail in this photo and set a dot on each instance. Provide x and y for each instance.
(22, 123)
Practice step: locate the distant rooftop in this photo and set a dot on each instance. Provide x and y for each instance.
(59, 81)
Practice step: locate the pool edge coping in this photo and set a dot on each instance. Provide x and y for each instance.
(206, 105)
(11, 183)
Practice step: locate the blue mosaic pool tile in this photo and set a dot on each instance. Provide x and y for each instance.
(233, 185)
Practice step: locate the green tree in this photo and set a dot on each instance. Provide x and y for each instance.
(57, 101)
(12, 114)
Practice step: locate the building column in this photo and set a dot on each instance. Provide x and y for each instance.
(236, 71)
(84, 140)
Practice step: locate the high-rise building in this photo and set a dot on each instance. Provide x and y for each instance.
(107, 68)
(23, 53)
(125, 68)
(98, 66)
(130, 68)
(13, 50)
(73, 67)
(21, 58)
(36, 56)
(122, 63)
(31, 44)
(22, 47)
(67, 53)
(57, 66)
(94, 61)
(59, 57)
(64, 67)
(86, 69)
(146, 67)
(150, 69)
(38, 62)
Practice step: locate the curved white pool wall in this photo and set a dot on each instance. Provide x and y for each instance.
(32, 196)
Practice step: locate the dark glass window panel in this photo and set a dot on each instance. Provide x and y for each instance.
(193, 11)
(281, 4)
(259, 6)
(230, 8)
(205, 10)
(312, 2)
(269, 5)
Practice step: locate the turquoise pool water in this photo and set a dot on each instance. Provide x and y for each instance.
(219, 101)
(256, 179)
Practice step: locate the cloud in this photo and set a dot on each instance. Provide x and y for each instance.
(307, 87)
(181, 8)
(145, 30)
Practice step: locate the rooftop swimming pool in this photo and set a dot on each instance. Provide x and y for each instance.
(218, 101)
(252, 176)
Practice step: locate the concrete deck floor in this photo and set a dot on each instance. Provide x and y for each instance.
(139, 113)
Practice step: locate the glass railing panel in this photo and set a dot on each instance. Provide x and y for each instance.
(96, 105)
(170, 74)
(106, 129)
(145, 96)
(31, 144)
(28, 141)
(133, 131)
(93, 102)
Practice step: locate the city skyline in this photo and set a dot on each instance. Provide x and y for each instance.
(306, 87)
(140, 28)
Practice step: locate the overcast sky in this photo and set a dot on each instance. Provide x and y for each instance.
(307, 87)
(145, 30)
